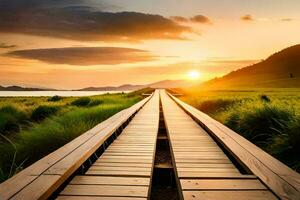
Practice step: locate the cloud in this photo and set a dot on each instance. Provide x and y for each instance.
(247, 18)
(195, 19)
(85, 55)
(200, 19)
(286, 19)
(179, 19)
(7, 46)
(84, 23)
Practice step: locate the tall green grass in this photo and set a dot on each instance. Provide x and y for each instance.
(11, 119)
(286, 144)
(43, 111)
(23, 147)
(268, 118)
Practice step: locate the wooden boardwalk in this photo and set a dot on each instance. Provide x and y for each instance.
(203, 169)
(124, 170)
(115, 160)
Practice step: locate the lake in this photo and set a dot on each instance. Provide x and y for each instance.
(52, 93)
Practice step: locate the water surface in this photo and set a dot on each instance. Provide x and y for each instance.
(52, 93)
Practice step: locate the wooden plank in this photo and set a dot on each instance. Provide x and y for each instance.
(111, 168)
(205, 161)
(129, 153)
(216, 170)
(201, 157)
(229, 195)
(117, 160)
(145, 157)
(106, 190)
(42, 188)
(205, 165)
(119, 173)
(221, 184)
(106, 180)
(208, 174)
(15, 184)
(122, 164)
(97, 198)
(137, 150)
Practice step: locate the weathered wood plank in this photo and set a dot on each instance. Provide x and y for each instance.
(107, 164)
(111, 168)
(41, 189)
(221, 184)
(205, 169)
(106, 180)
(97, 198)
(229, 195)
(184, 174)
(119, 173)
(106, 190)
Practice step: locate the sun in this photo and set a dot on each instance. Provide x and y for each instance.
(193, 75)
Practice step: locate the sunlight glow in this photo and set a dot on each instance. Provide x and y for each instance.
(193, 75)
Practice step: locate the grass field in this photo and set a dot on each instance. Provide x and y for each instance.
(32, 127)
(270, 118)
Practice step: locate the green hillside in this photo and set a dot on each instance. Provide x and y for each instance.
(280, 70)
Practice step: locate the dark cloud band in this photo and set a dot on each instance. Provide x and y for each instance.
(83, 23)
(85, 55)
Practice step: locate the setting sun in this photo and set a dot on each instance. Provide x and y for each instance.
(193, 75)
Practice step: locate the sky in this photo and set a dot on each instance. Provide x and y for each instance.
(71, 44)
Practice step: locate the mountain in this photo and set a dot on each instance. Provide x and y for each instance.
(18, 88)
(280, 70)
(129, 87)
(126, 87)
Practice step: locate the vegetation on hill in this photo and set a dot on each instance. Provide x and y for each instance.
(32, 127)
(281, 70)
(268, 118)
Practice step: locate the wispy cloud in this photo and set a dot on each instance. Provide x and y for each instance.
(85, 55)
(247, 18)
(286, 19)
(202, 19)
(179, 19)
(7, 46)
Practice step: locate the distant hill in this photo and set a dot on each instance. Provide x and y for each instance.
(129, 87)
(126, 87)
(18, 88)
(280, 70)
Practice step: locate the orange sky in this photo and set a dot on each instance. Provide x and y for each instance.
(76, 47)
